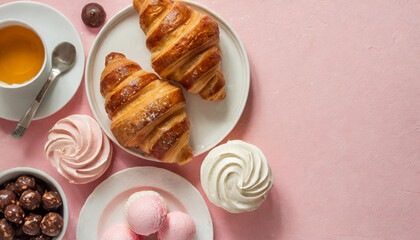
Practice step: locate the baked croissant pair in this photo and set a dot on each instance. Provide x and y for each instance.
(147, 112)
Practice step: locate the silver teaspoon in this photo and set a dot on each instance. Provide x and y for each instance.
(63, 58)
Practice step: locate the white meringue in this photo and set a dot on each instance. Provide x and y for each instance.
(236, 176)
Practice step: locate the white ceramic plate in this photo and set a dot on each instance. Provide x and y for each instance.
(211, 122)
(105, 206)
(54, 28)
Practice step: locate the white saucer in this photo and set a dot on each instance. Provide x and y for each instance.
(54, 28)
(211, 122)
(105, 206)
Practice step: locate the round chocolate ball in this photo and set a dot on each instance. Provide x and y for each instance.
(10, 186)
(51, 201)
(93, 15)
(40, 187)
(6, 230)
(14, 214)
(52, 224)
(32, 224)
(30, 200)
(7, 197)
(41, 237)
(24, 183)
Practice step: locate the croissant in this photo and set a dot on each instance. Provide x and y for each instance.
(184, 45)
(146, 112)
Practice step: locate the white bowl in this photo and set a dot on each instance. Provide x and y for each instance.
(15, 22)
(14, 173)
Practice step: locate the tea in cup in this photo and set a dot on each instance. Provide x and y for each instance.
(23, 54)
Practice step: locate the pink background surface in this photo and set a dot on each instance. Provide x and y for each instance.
(334, 105)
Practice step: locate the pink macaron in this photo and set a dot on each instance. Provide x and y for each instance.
(177, 226)
(120, 232)
(145, 212)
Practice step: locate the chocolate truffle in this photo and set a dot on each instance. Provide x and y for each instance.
(52, 224)
(6, 230)
(51, 201)
(32, 224)
(30, 200)
(7, 197)
(24, 183)
(41, 237)
(14, 214)
(10, 186)
(93, 15)
(40, 187)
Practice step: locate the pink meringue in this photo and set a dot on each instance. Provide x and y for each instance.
(120, 232)
(145, 214)
(78, 148)
(177, 226)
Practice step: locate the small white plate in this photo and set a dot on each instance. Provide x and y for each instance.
(211, 122)
(104, 208)
(54, 28)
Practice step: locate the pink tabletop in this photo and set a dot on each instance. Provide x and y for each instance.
(334, 105)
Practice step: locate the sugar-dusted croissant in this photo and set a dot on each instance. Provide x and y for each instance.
(146, 112)
(184, 45)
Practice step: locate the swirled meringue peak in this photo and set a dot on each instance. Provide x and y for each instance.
(236, 176)
(78, 148)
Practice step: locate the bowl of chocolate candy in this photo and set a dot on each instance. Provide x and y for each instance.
(32, 206)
